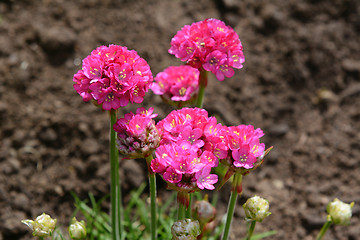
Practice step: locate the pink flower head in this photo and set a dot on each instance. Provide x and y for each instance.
(137, 135)
(183, 169)
(209, 44)
(177, 83)
(244, 147)
(184, 124)
(113, 76)
(182, 158)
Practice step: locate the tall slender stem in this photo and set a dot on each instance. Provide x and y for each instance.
(232, 203)
(183, 200)
(230, 212)
(181, 211)
(116, 222)
(323, 230)
(202, 85)
(152, 182)
(188, 210)
(251, 230)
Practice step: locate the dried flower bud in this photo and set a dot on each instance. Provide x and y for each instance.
(77, 230)
(256, 209)
(339, 212)
(204, 211)
(185, 229)
(43, 226)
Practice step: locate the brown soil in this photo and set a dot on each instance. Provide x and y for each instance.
(300, 84)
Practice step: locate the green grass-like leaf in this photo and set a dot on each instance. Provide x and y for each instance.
(263, 235)
(136, 217)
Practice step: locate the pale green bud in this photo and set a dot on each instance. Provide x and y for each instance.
(256, 209)
(43, 226)
(339, 212)
(77, 230)
(185, 229)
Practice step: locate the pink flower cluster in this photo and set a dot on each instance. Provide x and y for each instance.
(181, 158)
(209, 44)
(137, 135)
(237, 146)
(113, 76)
(178, 83)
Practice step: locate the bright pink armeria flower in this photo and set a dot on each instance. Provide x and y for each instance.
(238, 147)
(210, 45)
(113, 76)
(177, 83)
(182, 167)
(240, 150)
(137, 135)
(181, 158)
(244, 145)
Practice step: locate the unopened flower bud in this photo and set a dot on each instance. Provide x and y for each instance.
(43, 226)
(137, 135)
(256, 209)
(185, 229)
(339, 212)
(77, 230)
(204, 211)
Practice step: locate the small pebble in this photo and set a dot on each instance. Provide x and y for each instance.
(279, 129)
(90, 146)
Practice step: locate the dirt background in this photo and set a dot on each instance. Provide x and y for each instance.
(300, 84)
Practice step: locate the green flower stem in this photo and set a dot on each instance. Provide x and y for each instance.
(230, 213)
(181, 211)
(323, 230)
(116, 222)
(251, 230)
(188, 210)
(202, 85)
(152, 181)
(232, 202)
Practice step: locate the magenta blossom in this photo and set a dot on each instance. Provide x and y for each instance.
(243, 147)
(177, 83)
(181, 166)
(184, 124)
(137, 135)
(113, 76)
(210, 45)
(181, 158)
